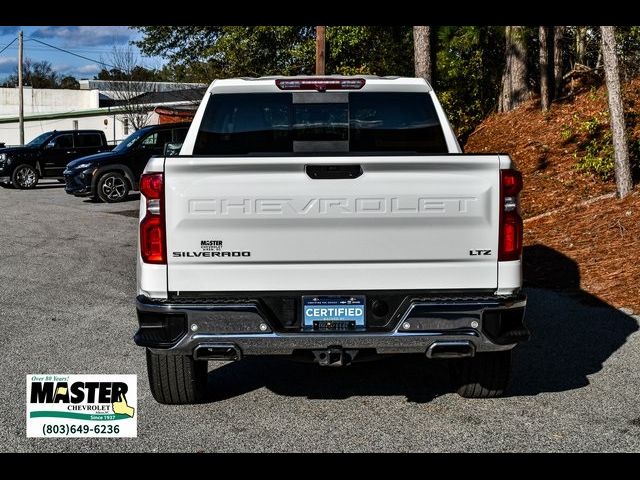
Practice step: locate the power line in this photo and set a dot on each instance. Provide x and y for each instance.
(38, 48)
(71, 53)
(12, 42)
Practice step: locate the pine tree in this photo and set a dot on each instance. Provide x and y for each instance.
(422, 52)
(616, 112)
(514, 88)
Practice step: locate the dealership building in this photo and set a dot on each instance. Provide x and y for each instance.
(96, 105)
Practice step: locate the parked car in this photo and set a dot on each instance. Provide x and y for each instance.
(110, 176)
(47, 155)
(330, 219)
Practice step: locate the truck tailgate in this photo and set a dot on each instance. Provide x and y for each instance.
(262, 223)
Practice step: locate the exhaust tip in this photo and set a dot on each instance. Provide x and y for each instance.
(453, 349)
(219, 351)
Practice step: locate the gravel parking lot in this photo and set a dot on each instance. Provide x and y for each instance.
(67, 289)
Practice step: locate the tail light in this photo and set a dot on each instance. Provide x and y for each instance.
(152, 228)
(510, 242)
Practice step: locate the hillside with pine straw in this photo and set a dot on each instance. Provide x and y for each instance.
(568, 201)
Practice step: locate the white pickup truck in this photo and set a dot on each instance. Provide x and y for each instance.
(331, 219)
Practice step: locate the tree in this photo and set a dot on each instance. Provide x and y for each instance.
(179, 44)
(558, 59)
(514, 85)
(127, 81)
(470, 61)
(41, 75)
(234, 50)
(138, 73)
(546, 67)
(34, 74)
(422, 52)
(373, 50)
(628, 50)
(69, 82)
(581, 45)
(228, 51)
(616, 112)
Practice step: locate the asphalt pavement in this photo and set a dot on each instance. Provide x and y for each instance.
(67, 289)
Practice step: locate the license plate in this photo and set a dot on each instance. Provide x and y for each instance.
(333, 313)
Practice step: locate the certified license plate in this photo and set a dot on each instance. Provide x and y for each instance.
(333, 313)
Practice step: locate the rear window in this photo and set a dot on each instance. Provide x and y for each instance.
(313, 122)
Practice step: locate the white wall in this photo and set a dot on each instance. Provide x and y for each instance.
(46, 100)
(116, 89)
(10, 134)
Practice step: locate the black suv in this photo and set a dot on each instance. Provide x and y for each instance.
(47, 155)
(110, 176)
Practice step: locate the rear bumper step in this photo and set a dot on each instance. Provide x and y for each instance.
(437, 327)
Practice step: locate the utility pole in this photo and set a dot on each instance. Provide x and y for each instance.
(320, 50)
(20, 89)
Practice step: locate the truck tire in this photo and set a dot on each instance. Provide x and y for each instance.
(486, 375)
(25, 176)
(176, 379)
(113, 187)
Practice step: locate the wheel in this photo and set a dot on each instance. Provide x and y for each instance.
(25, 176)
(113, 187)
(176, 379)
(486, 375)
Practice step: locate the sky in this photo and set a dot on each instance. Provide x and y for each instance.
(95, 43)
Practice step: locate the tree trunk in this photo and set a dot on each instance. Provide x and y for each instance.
(422, 52)
(581, 45)
(558, 59)
(514, 89)
(546, 67)
(484, 52)
(616, 112)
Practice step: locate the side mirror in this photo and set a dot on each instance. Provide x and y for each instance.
(51, 144)
(172, 149)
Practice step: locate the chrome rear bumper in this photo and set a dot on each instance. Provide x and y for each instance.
(245, 328)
